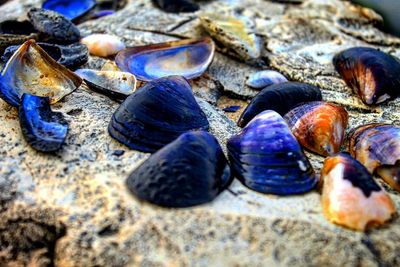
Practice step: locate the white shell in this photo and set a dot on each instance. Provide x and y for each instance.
(103, 45)
(262, 79)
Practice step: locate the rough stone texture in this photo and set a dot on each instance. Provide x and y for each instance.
(73, 209)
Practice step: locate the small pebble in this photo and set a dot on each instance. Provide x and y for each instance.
(103, 45)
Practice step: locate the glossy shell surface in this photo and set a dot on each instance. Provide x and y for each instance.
(71, 9)
(281, 98)
(188, 58)
(31, 70)
(267, 158)
(189, 171)
(42, 128)
(319, 126)
(262, 79)
(116, 84)
(372, 74)
(103, 45)
(156, 114)
(351, 197)
(377, 147)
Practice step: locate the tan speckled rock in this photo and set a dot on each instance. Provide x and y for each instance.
(73, 209)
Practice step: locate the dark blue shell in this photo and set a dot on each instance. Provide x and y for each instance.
(42, 128)
(267, 158)
(191, 170)
(156, 114)
(71, 9)
(281, 98)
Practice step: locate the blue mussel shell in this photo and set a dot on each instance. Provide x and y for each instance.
(191, 170)
(42, 128)
(267, 158)
(156, 114)
(71, 9)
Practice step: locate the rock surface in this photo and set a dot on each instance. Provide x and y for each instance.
(73, 209)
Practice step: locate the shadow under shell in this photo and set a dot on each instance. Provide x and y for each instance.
(156, 114)
(190, 171)
(187, 58)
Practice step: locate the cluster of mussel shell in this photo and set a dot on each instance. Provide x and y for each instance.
(187, 166)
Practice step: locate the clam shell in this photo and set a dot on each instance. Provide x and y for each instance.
(53, 26)
(319, 126)
(188, 58)
(372, 74)
(265, 78)
(235, 34)
(281, 98)
(377, 147)
(71, 56)
(351, 197)
(267, 158)
(71, 9)
(42, 128)
(31, 70)
(115, 84)
(189, 171)
(103, 45)
(157, 114)
(177, 6)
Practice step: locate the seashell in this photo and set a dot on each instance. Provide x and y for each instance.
(231, 109)
(262, 79)
(319, 126)
(189, 171)
(17, 27)
(351, 197)
(53, 26)
(42, 128)
(177, 6)
(71, 9)
(377, 147)
(115, 84)
(188, 58)
(157, 114)
(234, 34)
(71, 56)
(281, 98)
(31, 70)
(372, 74)
(103, 45)
(267, 158)
(7, 40)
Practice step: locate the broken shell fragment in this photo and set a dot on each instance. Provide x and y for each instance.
(372, 74)
(189, 171)
(281, 98)
(53, 26)
(115, 84)
(267, 158)
(157, 114)
(234, 34)
(71, 56)
(42, 128)
(31, 70)
(318, 126)
(103, 45)
(262, 79)
(187, 58)
(177, 6)
(71, 9)
(377, 147)
(350, 195)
